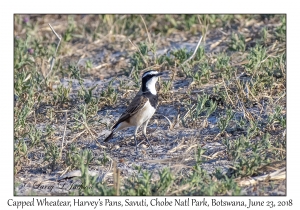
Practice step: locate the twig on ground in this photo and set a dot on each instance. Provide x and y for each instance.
(280, 97)
(277, 175)
(87, 128)
(170, 123)
(79, 134)
(193, 55)
(65, 171)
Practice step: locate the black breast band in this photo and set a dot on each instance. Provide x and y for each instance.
(153, 99)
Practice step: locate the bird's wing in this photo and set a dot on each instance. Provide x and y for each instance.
(136, 104)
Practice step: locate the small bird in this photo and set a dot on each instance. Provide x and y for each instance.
(141, 108)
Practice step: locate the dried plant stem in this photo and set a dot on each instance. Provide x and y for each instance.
(193, 55)
(139, 52)
(63, 140)
(146, 29)
(227, 93)
(116, 178)
(54, 57)
(277, 175)
(118, 182)
(87, 128)
(169, 121)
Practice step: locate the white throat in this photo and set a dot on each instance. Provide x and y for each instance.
(151, 85)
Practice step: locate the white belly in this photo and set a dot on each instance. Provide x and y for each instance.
(143, 115)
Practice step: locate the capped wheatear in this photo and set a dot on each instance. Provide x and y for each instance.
(141, 108)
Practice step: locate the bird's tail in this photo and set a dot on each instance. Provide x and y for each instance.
(109, 136)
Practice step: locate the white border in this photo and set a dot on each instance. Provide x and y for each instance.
(153, 6)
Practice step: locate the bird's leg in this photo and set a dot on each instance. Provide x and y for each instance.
(135, 132)
(145, 135)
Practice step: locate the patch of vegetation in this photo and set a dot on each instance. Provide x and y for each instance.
(230, 91)
(237, 42)
(198, 182)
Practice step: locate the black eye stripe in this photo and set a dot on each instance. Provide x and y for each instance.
(150, 73)
(148, 77)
